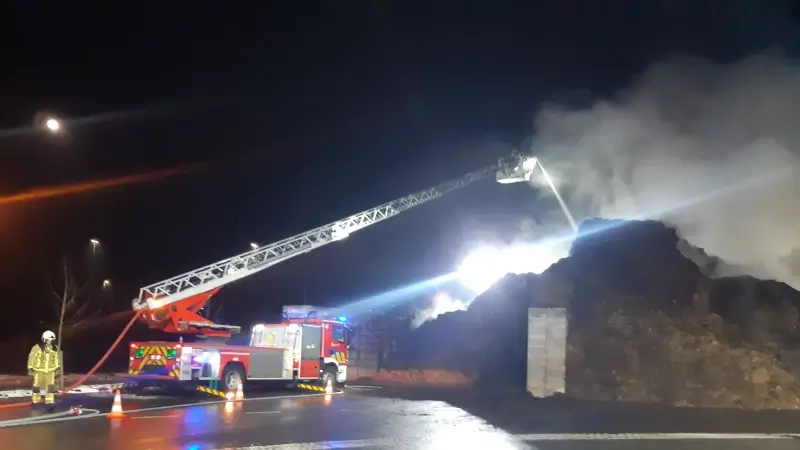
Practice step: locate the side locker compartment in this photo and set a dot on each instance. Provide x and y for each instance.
(185, 364)
(311, 345)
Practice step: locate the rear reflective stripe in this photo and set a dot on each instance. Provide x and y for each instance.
(145, 360)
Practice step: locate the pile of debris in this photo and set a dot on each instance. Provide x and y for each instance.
(646, 324)
(685, 360)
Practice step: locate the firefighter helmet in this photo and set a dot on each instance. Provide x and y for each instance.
(48, 336)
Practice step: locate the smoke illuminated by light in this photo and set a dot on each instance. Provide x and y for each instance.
(487, 265)
(439, 304)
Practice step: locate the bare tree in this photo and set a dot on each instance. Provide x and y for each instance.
(74, 303)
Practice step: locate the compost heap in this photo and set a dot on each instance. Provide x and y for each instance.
(646, 324)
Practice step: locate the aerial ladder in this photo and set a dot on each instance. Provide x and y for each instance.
(173, 305)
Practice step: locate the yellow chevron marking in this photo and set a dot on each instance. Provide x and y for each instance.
(154, 350)
(338, 356)
(211, 391)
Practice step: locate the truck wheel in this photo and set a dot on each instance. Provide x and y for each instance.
(328, 374)
(232, 375)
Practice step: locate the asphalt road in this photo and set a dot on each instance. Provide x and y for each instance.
(384, 419)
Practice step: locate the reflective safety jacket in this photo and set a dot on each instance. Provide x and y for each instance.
(43, 358)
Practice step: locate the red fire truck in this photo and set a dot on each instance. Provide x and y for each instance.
(310, 344)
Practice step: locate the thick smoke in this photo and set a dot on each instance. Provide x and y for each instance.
(712, 149)
(438, 304)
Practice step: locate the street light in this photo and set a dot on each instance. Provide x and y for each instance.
(254, 246)
(53, 125)
(106, 284)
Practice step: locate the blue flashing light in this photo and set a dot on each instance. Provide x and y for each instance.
(342, 319)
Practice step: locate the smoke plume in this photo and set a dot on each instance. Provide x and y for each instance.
(711, 149)
(440, 303)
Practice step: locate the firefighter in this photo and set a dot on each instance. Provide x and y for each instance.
(43, 365)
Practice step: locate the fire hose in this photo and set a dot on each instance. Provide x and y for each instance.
(91, 372)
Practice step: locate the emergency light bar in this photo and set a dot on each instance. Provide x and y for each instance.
(313, 312)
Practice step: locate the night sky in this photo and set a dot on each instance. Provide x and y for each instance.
(295, 116)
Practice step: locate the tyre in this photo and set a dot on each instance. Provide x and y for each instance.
(232, 375)
(328, 374)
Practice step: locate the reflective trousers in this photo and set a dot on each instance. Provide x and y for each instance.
(44, 385)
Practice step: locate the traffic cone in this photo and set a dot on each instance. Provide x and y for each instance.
(240, 391)
(116, 407)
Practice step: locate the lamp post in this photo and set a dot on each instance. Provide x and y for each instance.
(95, 243)
(53, 125)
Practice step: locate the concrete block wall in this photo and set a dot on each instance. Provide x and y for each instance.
(547, 351)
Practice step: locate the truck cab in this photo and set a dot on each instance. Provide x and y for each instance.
(318, 338)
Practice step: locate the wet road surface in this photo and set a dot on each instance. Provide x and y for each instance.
(98, 401)
(376, 419)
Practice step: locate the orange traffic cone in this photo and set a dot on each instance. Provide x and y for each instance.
(240, 391)
(116, 407)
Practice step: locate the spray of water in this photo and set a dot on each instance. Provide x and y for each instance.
(561, 201)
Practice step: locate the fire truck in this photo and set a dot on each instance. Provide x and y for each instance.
(309, 345)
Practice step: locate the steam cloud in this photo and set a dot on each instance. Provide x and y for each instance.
(710, 149)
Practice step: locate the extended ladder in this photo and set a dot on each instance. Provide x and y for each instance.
(214, 276)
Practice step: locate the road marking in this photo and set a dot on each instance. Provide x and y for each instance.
(263, 412)
(394, 442)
